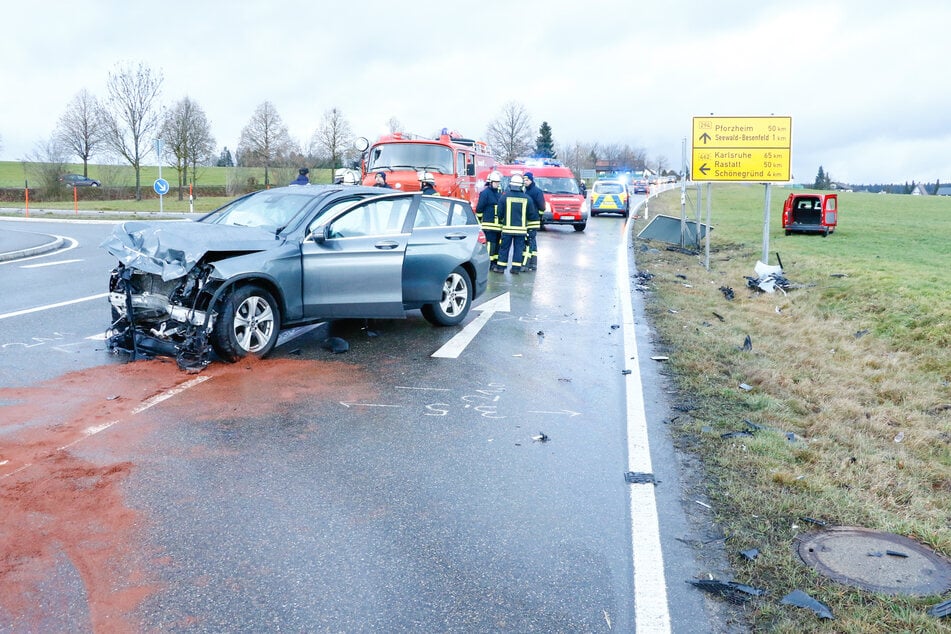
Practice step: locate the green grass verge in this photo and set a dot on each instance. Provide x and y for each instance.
(855, 362)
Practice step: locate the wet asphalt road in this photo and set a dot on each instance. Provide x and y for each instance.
(415, 495)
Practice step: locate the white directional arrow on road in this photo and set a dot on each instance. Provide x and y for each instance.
(454, 347)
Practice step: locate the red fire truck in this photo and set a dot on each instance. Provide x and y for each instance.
(452, 159)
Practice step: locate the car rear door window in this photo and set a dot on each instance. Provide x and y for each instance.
(432, 213)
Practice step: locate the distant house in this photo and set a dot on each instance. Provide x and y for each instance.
(944, 190)
(919, 190)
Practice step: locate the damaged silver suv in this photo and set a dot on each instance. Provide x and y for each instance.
(231, 280)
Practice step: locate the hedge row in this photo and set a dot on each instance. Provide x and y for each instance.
(17, 195)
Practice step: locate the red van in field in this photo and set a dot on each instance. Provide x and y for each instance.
(812, 213)
(564, 204)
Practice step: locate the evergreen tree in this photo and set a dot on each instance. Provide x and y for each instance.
(544, 146)
(820, 179)
(937, 186)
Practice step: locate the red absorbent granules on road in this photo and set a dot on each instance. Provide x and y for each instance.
(64, 522)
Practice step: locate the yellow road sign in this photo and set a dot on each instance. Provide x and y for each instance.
(741, 149)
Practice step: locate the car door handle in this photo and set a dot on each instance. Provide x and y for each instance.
(387, 245)
(455, 236)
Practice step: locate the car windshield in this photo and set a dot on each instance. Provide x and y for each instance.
(558, 185)
(410, 156)
(268, 209)
(608, 188)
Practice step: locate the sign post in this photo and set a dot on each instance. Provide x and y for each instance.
(743, 149)
(159, 143)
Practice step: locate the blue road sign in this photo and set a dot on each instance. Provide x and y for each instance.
(160, 186)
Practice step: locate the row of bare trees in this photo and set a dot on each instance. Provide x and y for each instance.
(131, 116)
(511, 135)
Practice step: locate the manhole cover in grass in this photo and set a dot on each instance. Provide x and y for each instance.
(880, 562)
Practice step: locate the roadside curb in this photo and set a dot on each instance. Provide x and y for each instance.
(55, 243)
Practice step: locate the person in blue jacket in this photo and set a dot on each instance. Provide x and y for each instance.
(534, 222)
(301, 177)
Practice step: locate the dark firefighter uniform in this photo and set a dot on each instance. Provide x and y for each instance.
(515, 208)
(487, 213)
(534, 223)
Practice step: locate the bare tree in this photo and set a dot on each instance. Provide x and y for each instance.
(132, 114)
(188, 140)
(81, 129)
(45, 165)
(265, 141)
(394, 125)
(332, 138)
(510, 134)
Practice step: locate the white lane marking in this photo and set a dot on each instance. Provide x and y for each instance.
(349, 404)
(89, 431)
(651, 612)
(155, 400)
(27, 311)
(36, 266)
(454, 347)
(433, 389)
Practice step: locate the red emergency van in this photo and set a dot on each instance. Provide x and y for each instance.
(811, 213)
(564, 204)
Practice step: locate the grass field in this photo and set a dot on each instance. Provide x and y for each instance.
(15, 174)
(854, 361)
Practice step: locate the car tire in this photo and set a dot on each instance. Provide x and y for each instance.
(594, 214)
(580, 226)
(455, 303)
(94, 184)
(247, 325)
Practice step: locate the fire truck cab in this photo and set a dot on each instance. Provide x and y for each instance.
(452, 159)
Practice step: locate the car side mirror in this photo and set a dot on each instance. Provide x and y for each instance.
(320, 234)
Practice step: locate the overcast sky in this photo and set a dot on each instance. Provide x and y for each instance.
(865, 81)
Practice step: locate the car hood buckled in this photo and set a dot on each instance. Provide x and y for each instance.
(172, 249)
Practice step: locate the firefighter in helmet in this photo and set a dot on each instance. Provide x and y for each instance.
(427, 183)
(515, 207)
(487, 213)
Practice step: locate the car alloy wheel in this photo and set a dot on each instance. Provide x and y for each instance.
(456, 299)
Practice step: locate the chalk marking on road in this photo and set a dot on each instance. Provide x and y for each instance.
(36, 266)
(433, 389)
(454, 347)
(651, 612)
(563, 412)
(158, 398)
(69, 302)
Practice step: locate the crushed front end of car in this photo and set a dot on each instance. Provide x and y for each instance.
(152, 316)
(165, 287)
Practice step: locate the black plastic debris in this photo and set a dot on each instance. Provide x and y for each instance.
(941, 610)
(753, 426)
(540, 333)
(625, 371)
(895, 553)
(737, 434)
(750, 554)
(718, 315)
(615, 326)
(748, 343)
(541, 437)
(635, 477)
(861, 333)
(728, 293)
(812, 520)
(800, 599)
(730, 590)
(335, 345)
(768, 278)
(681, 276)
